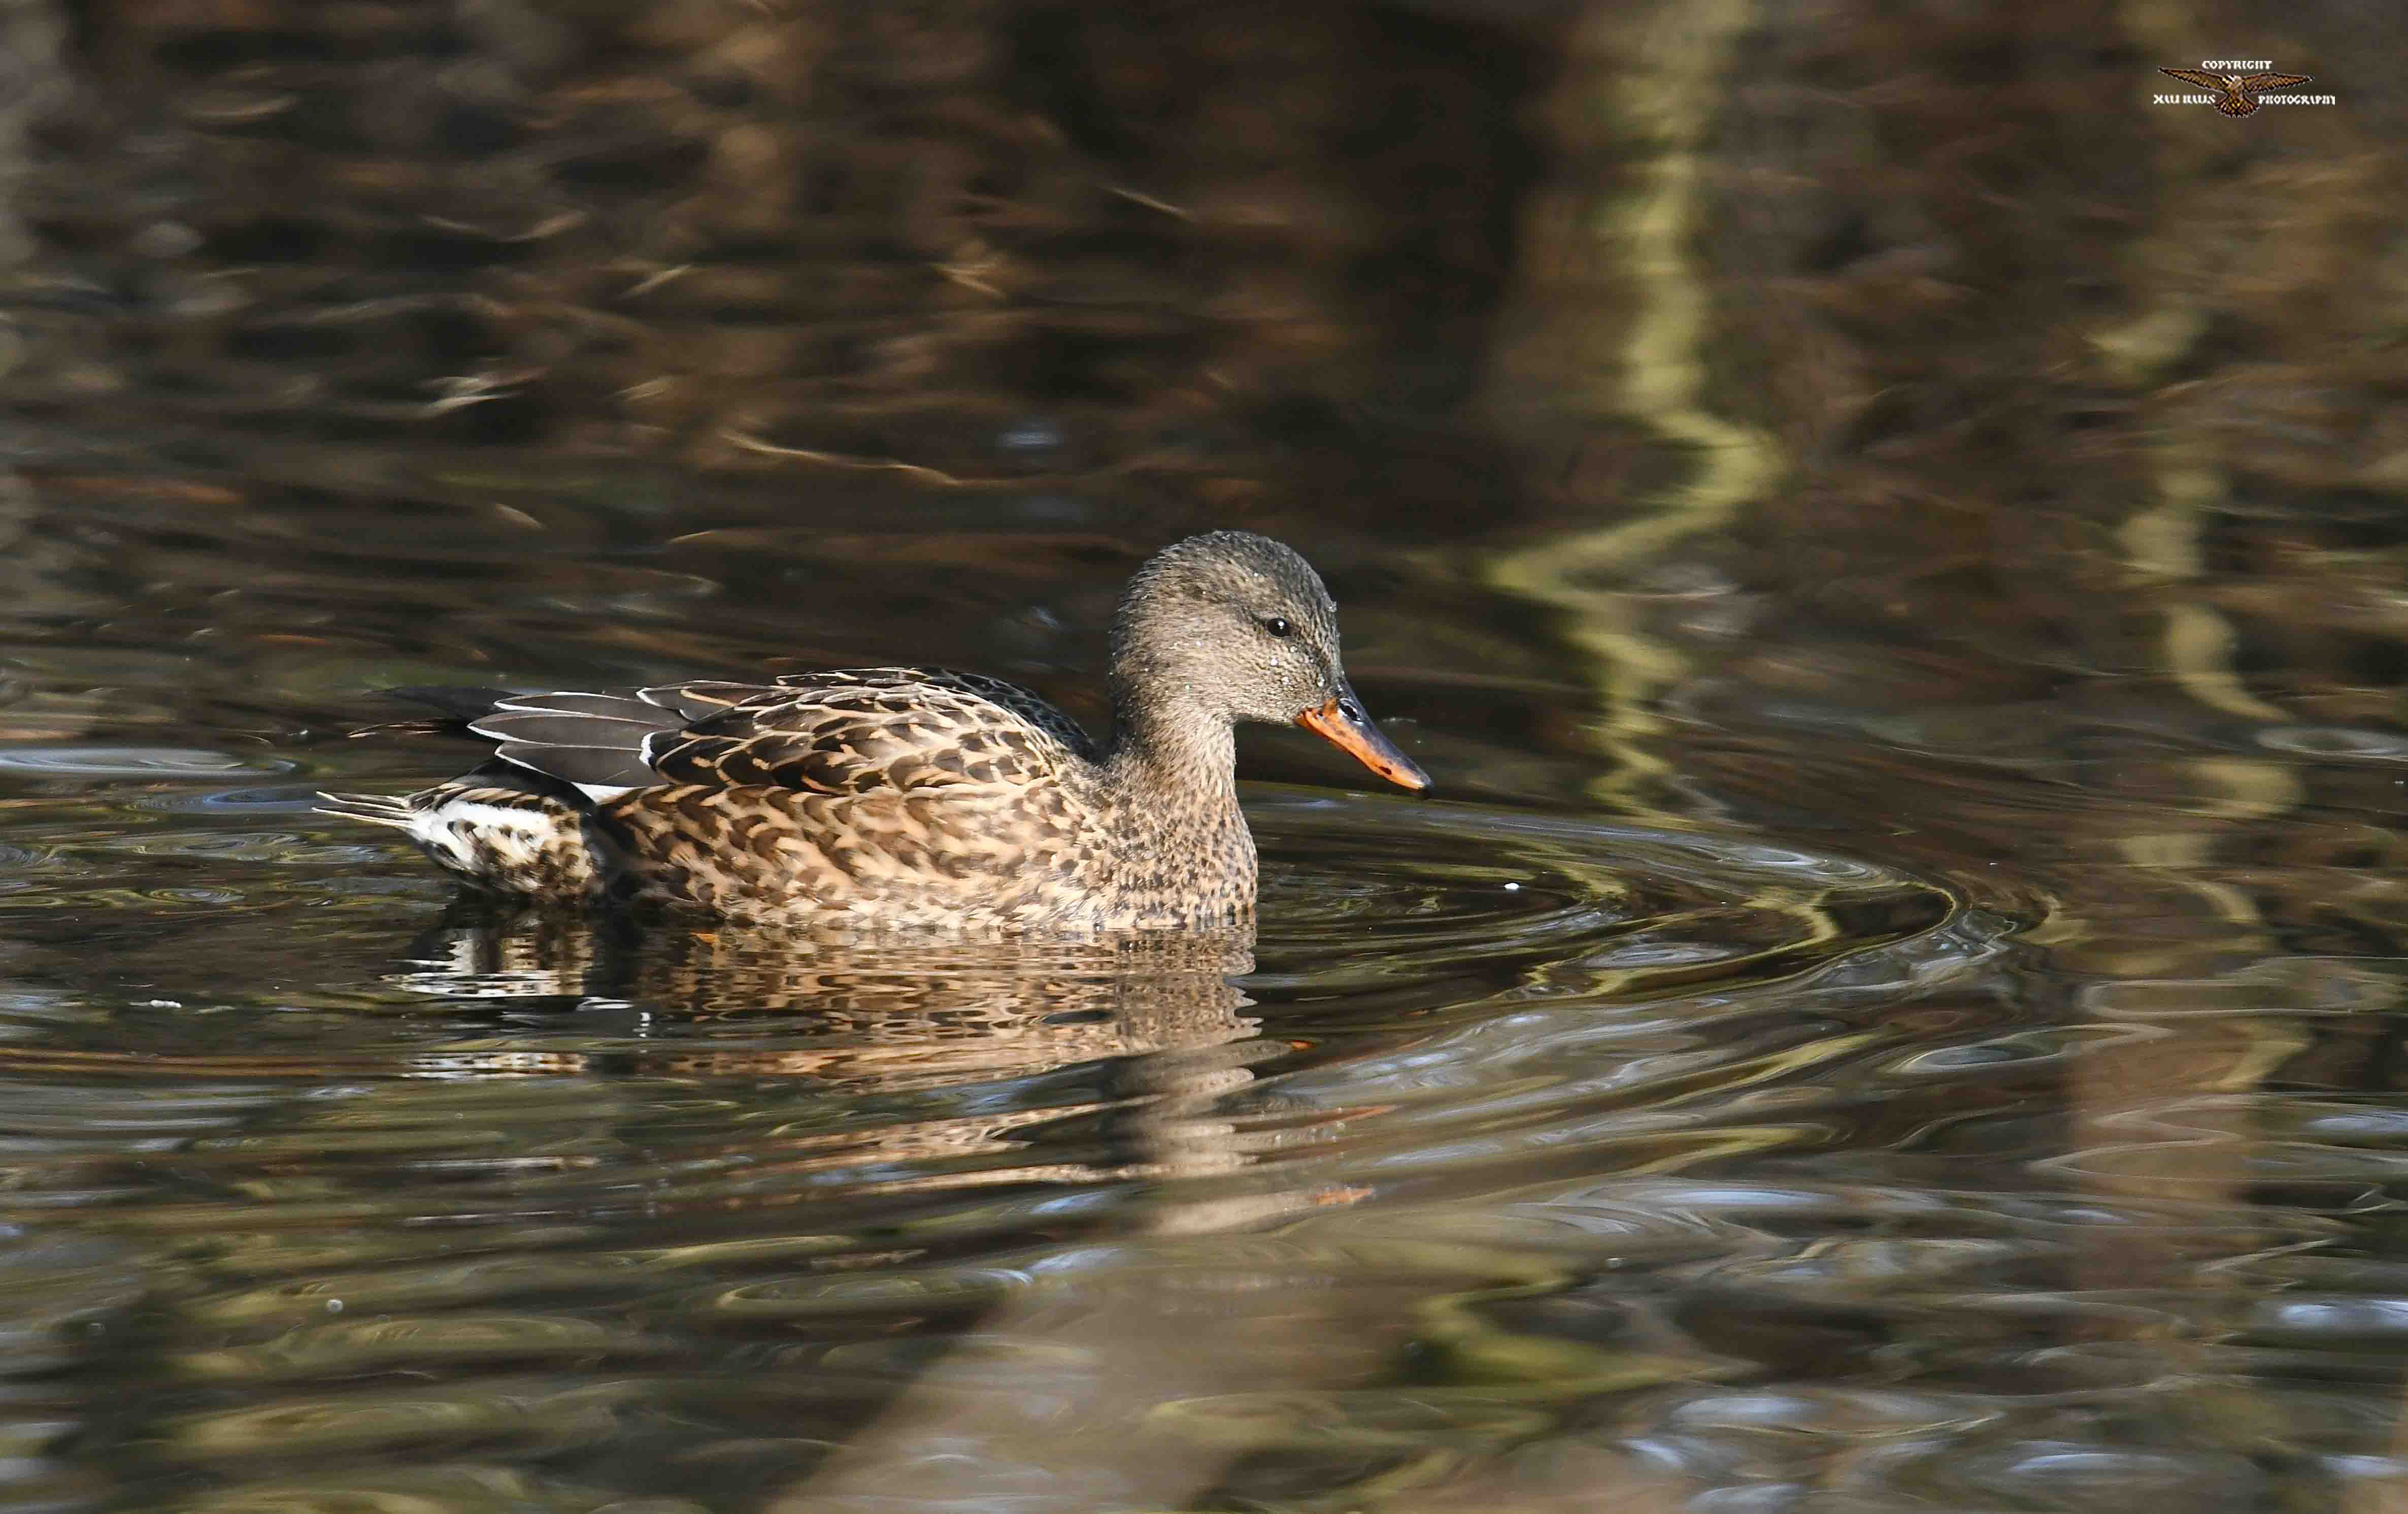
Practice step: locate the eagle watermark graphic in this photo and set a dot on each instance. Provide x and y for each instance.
(2240, 85)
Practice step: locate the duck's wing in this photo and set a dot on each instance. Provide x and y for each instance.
(872, 729)
(594, 741)
(853, 731)
(2199, 76)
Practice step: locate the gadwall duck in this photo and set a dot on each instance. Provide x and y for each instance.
(911, 795)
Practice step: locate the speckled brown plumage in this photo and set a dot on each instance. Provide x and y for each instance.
(916, 797)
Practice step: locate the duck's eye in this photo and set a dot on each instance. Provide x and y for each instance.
(1278, 626)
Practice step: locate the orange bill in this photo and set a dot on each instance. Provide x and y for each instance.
(1343, 724)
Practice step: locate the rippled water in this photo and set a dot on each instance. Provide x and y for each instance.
(1889, 546)
(1731, 1145)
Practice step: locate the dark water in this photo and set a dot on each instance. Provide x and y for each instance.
(1889, 546)
(1565, 1145)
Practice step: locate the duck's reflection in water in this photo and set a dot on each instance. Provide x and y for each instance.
(1154, 1017)
(1149, 1034)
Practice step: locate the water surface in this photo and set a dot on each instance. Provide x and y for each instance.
(1567, 1143)
(1887, 543)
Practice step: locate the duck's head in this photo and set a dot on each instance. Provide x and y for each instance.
(1231, 625)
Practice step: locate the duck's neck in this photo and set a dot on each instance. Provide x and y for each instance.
(1184, 757)
(1183, 853)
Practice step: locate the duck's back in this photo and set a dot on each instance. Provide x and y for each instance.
(871, 730)
(898, 795)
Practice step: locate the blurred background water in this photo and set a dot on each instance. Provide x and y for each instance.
(1889, 541)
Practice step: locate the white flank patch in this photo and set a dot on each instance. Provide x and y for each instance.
(503, 836)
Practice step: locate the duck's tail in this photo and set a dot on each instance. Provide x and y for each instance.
(376, 809)
(455, 706)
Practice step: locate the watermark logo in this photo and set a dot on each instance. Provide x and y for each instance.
(2239, 85)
